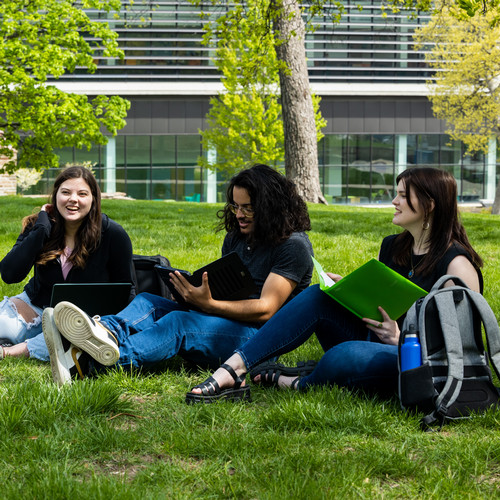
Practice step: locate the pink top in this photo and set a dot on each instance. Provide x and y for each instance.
(66, 265)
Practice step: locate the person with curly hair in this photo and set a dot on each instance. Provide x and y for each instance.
(68, 241)
(358, 353)
(265, 221)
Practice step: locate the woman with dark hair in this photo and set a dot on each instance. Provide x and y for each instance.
(265, 220)
(69, 240)
(358, 353)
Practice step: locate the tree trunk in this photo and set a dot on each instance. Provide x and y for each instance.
(301, 144)
(495, 209)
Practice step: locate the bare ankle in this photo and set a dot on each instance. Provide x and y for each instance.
(237, 363)
(17, 351)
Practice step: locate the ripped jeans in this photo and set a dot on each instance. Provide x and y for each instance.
(14, 328)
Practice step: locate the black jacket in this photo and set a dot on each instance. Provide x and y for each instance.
(111, 262)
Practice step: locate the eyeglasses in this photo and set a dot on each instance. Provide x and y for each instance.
(246, 211)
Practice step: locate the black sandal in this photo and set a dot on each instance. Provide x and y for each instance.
(210, 390)
(270, 372)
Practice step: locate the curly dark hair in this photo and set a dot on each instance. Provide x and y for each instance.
(433, 185)
(88, 236)
(278, 208)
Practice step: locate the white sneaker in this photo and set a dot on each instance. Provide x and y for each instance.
(66, 360)
(86, 333)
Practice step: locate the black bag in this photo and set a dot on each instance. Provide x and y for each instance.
(454, 379)
(146, 277)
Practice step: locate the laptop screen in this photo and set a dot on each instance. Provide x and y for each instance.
(94, 298)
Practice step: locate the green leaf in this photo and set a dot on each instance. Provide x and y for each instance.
(50, 38)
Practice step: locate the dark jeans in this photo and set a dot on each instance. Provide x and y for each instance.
(352, 357)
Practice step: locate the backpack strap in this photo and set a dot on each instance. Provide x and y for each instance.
(487, 317)
(447, 277)
(445, 305)
(491, 328)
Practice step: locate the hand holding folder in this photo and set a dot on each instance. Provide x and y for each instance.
(371, 285)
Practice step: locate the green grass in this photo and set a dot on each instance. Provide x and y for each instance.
(130, 435)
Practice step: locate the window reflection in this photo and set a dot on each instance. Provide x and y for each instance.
(353, 168)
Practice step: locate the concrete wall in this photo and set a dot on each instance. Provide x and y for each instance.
(7, 182)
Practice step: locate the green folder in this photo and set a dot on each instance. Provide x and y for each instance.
(371, 285)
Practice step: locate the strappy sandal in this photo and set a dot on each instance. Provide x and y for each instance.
(270, 372)
(211, 391)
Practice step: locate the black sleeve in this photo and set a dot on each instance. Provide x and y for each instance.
(120, 258)
(16, 265)
(292, 260)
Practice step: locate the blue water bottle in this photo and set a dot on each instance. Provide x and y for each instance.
(411, 354)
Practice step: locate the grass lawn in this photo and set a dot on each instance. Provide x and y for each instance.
(130, 435)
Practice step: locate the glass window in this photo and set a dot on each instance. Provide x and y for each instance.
(121, 172)
(333, 182)
(66, 155)
(427, 152)
(382, 167)
(138, 163)
(451, 151)
(164, 182)
(359, 171)
(334, 149)
(189, 176)
(473, 170)
(359, 150)
(411, 150)
(333, 172)
(88, 156)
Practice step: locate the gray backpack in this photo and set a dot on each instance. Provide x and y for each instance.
(454, 379)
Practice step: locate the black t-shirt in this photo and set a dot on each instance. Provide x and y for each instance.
(425, 282)
(290, 259)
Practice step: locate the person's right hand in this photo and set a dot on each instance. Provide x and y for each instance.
(199, 296)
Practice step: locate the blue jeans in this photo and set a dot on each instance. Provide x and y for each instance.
(153, 329)
(352, 357)
(14, 329)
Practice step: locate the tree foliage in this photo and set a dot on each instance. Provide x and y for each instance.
(43, 38)
(465, 90)
(243, 128)
(246, 120)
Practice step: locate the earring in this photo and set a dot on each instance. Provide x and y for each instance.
(426, 225)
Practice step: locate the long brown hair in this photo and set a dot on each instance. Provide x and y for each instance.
(88, 237)
(431, 185)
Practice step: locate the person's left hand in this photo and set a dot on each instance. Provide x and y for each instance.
(199, 296)
(387, 330)
(334, 277)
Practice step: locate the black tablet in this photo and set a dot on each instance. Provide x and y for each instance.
(228, 278)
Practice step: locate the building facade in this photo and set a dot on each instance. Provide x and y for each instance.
(364, 68)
